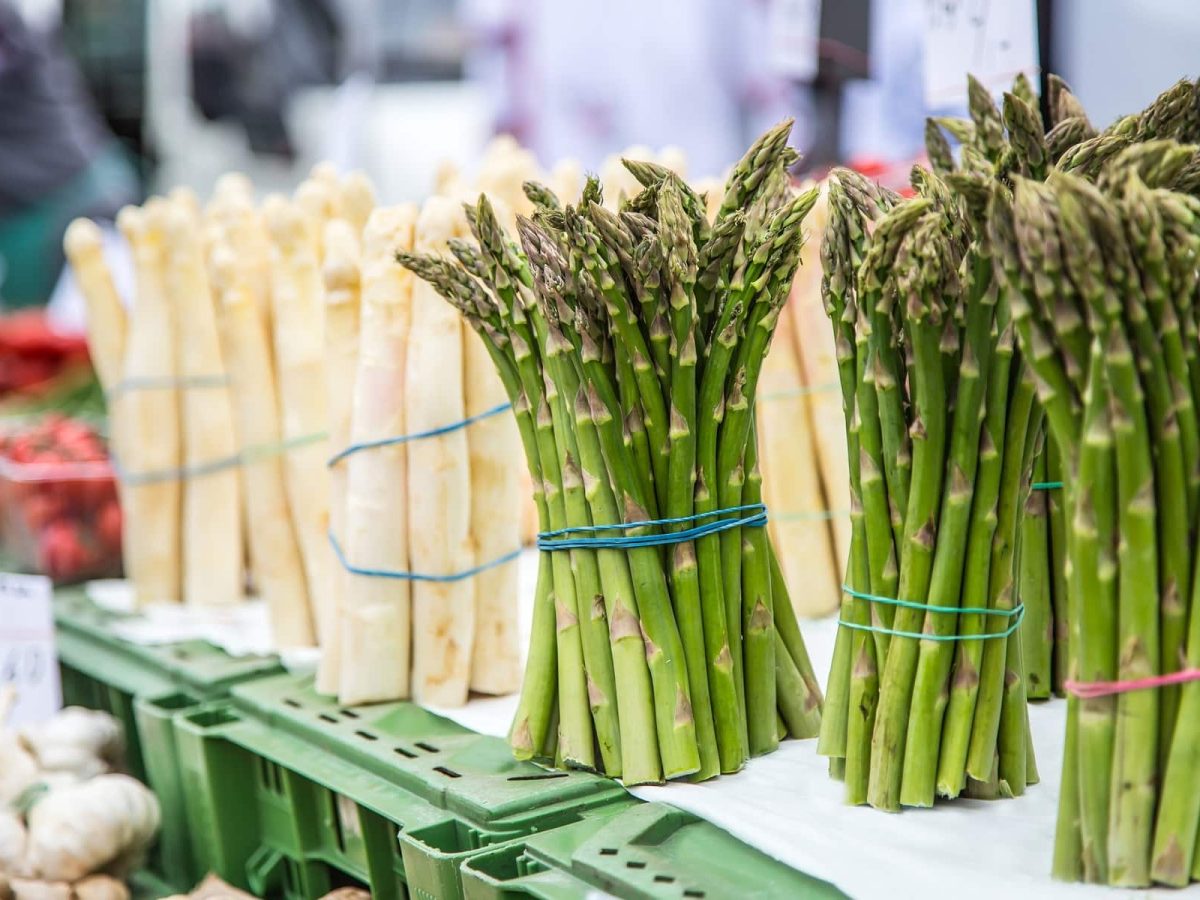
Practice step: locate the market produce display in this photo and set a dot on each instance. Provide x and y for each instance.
(58, 501)
(71, 826)
(664, 643)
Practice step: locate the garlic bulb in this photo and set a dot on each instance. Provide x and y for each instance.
(13, 841)
(77, 740)
(75, 830)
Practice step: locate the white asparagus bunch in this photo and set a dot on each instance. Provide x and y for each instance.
(275, 557)
(150, 429)
(439, 507)
(212, 520)
(297, 295)
(376, 618)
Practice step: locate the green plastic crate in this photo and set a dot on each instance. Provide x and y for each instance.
(291, 794)
(144, 687)
(650, 851)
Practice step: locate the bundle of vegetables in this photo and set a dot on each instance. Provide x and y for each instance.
(71, 826)
(1103, 278)
(631, 345)
(58, 503)
(926, 693)
(1016, 139)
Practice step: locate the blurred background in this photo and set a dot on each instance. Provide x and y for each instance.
(105, 101)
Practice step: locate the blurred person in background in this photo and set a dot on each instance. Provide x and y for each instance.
(577, 78)
(58, 160)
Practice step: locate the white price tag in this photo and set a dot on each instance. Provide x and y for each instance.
(793, 29)
(28, 660)
(994, 40)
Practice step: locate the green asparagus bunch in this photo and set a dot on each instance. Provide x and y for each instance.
(1110, 332)
(630, 344)
(927, 686)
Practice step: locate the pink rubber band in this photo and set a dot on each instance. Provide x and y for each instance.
(1091, 689)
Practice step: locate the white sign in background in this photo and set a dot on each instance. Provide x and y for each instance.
(28, 660)
(793, 30)
(994, 40)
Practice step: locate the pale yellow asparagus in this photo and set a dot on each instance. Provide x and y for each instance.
(297, 295)
(232, 217)
(107, 323)
(675, 159)
(150, 433)
(439, 480)
(341, 276)
(83, 244)
(713, 192)
(358, 200)
(497, 492)
(799, 520)
(320, 201)
(505, 167)
(376, 612)
(212, 523)
(566, 180)
(274, 551)
(818, 358)
(233, 186)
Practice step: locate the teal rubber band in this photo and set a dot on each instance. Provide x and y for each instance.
(417, 576)
(167, 382)
(1017, 614)
(558, 539)
(251, 454)
(418, 435)
(1046, 485)
(804, 391)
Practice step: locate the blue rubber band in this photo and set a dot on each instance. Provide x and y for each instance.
(1046, 485)
(555, 540)
(254, 453)
(417, 436)
(1017, 614)
(417, 576)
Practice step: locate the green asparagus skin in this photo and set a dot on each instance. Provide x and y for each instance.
(1033, 587)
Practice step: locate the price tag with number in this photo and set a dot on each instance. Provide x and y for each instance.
(28, 661)
(994, 40)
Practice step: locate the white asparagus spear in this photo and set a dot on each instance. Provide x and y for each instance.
(234, 186)
(376, 614)
(106, 319)
(274, 551)
(320, 200)
(506, 166)
(107, 325)
(496, 520)
(150, 439)
(358, 200)
(814, 345)
(297, 295)
(341, 278)
(439, 480)
(566, 180)
(792, 481)
(675, 159)
(212, 525)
